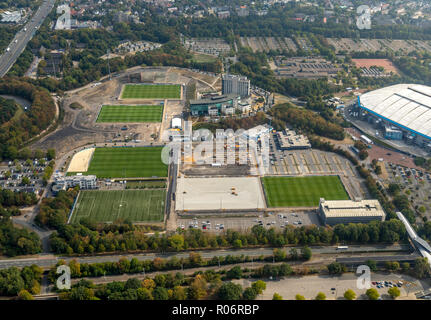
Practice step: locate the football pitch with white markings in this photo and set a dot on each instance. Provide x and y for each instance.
(151, 91)
(111, 205)
(123, 113)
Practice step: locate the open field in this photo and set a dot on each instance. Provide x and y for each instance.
(127, 163)
(204, 58)
(108, 206)
(123, 113)
(302, 191)
(368, 63)
(151, 91)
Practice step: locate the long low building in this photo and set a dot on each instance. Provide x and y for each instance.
(403, 110)
(350, 211)
(290, 140)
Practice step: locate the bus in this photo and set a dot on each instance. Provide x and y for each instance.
(366, 139)
(342, 247)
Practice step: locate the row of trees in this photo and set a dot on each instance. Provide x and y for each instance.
(124, 266)
(80, 239)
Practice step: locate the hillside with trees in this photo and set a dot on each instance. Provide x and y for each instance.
(14, 134)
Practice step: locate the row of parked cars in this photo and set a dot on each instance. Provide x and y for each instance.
(388, 284)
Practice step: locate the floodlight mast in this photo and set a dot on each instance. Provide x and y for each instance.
(109, 67)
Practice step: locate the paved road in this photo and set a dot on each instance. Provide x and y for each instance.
(19, 42)
(50, 260)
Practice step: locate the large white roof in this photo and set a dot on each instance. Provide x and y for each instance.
(406, 105)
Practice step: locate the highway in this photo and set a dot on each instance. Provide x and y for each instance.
(19, 42)
(46, 261)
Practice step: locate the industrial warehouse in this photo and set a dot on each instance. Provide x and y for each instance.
(402, 111)
(350, 211)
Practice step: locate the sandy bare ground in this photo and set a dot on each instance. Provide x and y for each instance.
(81, 160)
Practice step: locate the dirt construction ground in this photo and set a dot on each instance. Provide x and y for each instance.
(79, 128)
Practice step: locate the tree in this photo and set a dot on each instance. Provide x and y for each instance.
(350, 294)
(179, 293)
(336, 268)
(25, 181)
(25, 295)
(279, 254)
(144, 294)
(234, 273)
(299, 297)
(294, 254)
(230, 291)
(197, 289)
(276, 296)
(394, 292)
(176, 242)
(372, 294)
(160, 293)
(371, 264)
(422, 268)
(50, 154)
(133, 283)
(405, 266)
(259, 286)
(249, 294)
(363, 154)
(321, 296)
(149, 284)
(81, 293)
(306, 253)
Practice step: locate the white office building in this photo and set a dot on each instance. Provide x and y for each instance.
(233, 84)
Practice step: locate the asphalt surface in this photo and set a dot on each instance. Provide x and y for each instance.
(19, 42)
(50, 260)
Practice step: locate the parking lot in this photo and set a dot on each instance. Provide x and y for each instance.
(267, 220)
(313, 162)
(23, 175)
(335, 286)
(416, 184)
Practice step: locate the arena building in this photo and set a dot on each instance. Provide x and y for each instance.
(402, 111)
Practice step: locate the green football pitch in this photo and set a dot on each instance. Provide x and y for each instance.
(151, 91)
(108, 206)
(125, 162)
(121, 113)
(302, 191)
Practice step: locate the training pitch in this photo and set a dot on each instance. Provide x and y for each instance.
(151, 91)
(302, 191)
(108, 206)
(125, 162)
(122, 113)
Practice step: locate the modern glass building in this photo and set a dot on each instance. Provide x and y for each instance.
(225, 104)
